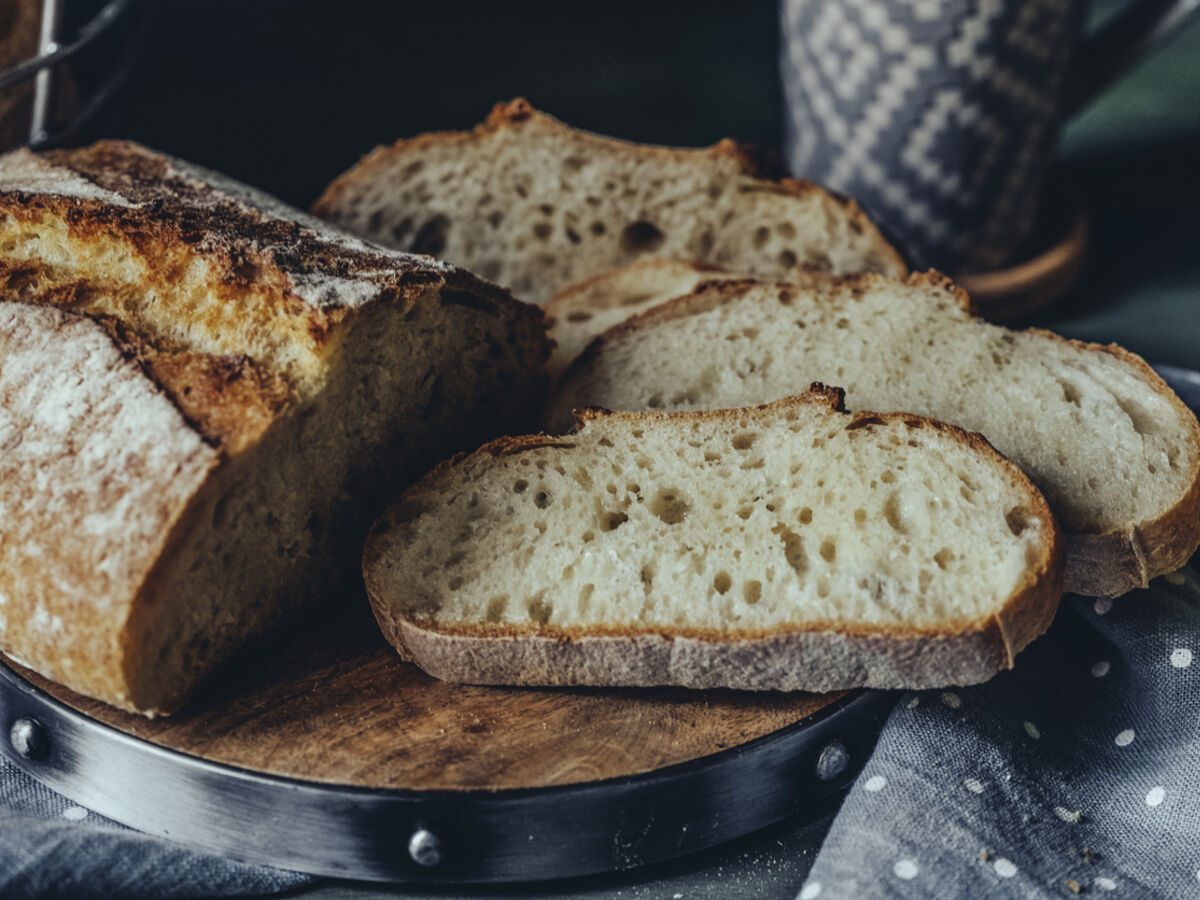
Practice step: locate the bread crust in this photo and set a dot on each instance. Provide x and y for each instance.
(1099, 563)
(814, 656)
(106, 492)
(518, 114)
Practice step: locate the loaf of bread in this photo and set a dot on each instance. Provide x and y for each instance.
(1115, 452)
(205, 398)
(790, 546)
(528, 202)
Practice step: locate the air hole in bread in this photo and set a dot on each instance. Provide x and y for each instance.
(522, 191)
(495, 608)
(786, 230)
(722, 582)
(520, 485)
(604, 442)
(745, 440)
(598, 228)
(843, 324)
(887, 477)
(574, 163)
(614, 520)
(761, 236)
(647, 576)
(455, 583)
(756, 463)
(806, 515)
(1143, 423)
(573, 235)
(793, 549)
(1017, 519)
(709, 456)
(670, 505)
(431, 237)
(787, 259)
(822, 587)
(581, 315)
(860, 517)
(402, 229)
(745, 512)
(585, 597)
(822, 263)
(641, 237)
(539, 609)
(655, 402)
(704, 244)
(588, 537)
(752, 591)
(943, 557)
(828, 550)
(891, 513)
(541, 500)
(542, 230)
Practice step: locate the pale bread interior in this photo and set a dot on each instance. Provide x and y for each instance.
(577, 314)
(1097, 431)
(741, 523)
(537, 206)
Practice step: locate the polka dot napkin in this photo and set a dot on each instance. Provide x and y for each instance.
(1078, 772)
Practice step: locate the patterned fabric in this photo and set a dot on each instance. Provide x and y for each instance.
(936, 115)
(1076, 772)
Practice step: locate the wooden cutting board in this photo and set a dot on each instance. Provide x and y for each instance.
(336, 705)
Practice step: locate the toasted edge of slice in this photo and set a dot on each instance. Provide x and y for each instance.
(815, 656)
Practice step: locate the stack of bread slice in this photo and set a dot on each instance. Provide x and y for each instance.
(732, 529)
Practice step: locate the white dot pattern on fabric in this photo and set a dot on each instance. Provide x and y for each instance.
(1102, 606)
(974, 785)
(1125, 738)
(1005, 868)
(1106, 884)
(906, 869)
(1155, 796)
(952, 699)
(1100, 669)
(811, 891)
(1032, 730)
(1181, 657)
(1067, 815)
(75, 813)
(875, 783)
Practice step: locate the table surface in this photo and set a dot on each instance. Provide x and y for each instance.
(1132, 156)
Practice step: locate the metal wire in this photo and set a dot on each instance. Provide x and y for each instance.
(51, 53)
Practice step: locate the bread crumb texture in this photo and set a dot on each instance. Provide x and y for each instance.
(535, 205)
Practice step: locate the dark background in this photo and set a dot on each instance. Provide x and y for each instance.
(286, 94)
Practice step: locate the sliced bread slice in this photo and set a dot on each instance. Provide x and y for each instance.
(535, 205)
(1116, 453)
(205, 398)
(578, 313)
(790, 546)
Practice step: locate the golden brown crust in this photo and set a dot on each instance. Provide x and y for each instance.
(519, 114)
(502, 653)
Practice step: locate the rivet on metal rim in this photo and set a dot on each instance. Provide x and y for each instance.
(29, 739)
(425, 848)
(833, 760)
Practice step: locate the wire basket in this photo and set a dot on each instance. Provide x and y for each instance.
(84, 57)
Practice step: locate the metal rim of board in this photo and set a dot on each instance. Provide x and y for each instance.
(526, 834)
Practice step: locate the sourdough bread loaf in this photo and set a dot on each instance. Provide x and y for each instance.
(1115, 452)
(787, 546)
(205, 397)
(535, 205)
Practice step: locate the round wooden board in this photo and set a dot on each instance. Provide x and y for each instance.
(336, 705)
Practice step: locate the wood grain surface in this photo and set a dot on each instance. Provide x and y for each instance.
(337, 705)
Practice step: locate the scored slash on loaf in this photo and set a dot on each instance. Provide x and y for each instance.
(787, 546)
(536, 205)
(1116, 453)
(205, 398)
